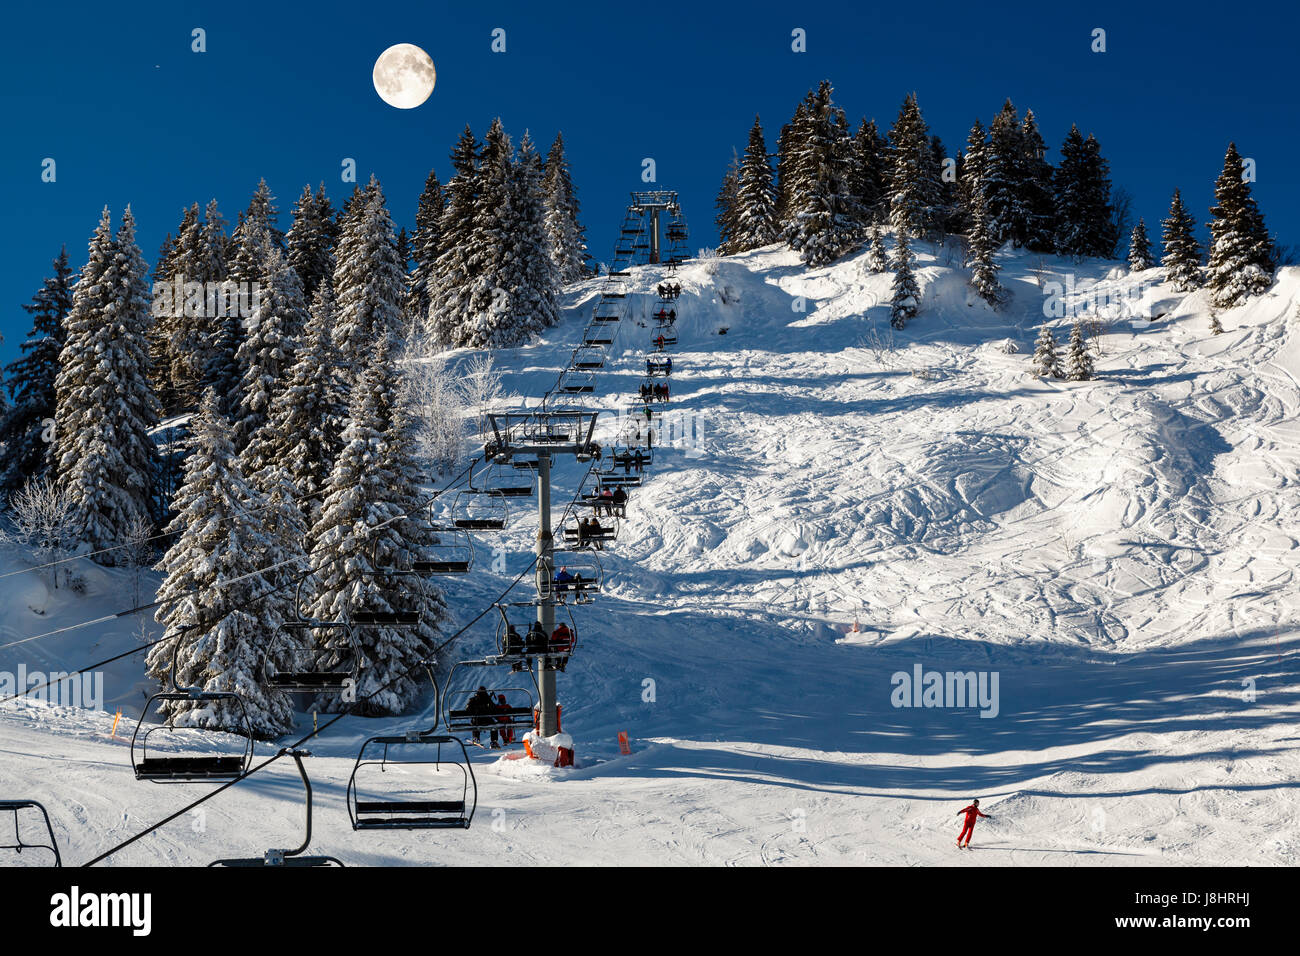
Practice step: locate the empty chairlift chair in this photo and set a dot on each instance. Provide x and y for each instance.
(476, 511)
(166, 753)
(395, 601)
(416, 781)
(494, 481)
(296, 858)
(308, 655)
(16, 807)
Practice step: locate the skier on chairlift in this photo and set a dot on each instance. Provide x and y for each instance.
(536, 640)
(481, 706)
(507, 733)
(514, 641)
(618, 502)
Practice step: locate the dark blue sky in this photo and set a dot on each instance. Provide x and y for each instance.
(114, 94)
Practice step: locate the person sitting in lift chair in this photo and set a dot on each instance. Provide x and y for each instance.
(514, 642)
(564, 581)
(606, 503)
(594, 530)
(561, 645)
(618, 504)
(480, 707)
(507, 733)
(536, 640)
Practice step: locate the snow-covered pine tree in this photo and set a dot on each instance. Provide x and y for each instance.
(212, 594)
(30, 381)
(104, 400)
(1004, 176)
(1078, 360)
(877, 254)
(726, 216)
(825, 222)
(182, 336)
(364, 519)
(1216, 327)
(1047, 358)
(1139, 248)
(1084, 216)
(868, 180)
(906, 293)
(791, 136)
(1241, 250)
(454, 271)
(220, 334)
(984, 270)
(530, 271)
(1182, 253)
(369, 284)
(311, 240)
(912, 196)
(755, 221)
(568, 241)
(302, 433)
(1040, 214)
(270, 340)
(425, 247)
(970, 180)
(944, 215)
(164, 331)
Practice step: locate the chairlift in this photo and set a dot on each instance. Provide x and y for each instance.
(578, 385)
(288, 858)
(472, 511)
(16, 807)
(656, 365)
(191, 753)
(668, 291)
(594, 535)
(405, 782)
(594, 337)
(514, 648)
(580, 577)
(665, 316)
(465, 712)
(448, 551)
(602, 499)
(312, 657)
(406, 592)
(494, 481)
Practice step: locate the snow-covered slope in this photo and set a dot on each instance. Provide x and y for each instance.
(1121, 553)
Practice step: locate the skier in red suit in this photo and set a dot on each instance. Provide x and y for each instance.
(972, 814)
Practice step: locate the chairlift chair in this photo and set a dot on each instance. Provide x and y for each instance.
(578, 385)
(472, 511)
(579, 579)
(575, 538)
(295, 858)
(493, 481)
(16, 807)
(449, 551)
(411, 587)
(190, 762)
(293, 668)
(396, 784)
(656, 365)
(460, 717)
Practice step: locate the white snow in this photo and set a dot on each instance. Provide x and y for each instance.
(1122, 552)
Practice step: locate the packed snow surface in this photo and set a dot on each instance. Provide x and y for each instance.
(1116, 558)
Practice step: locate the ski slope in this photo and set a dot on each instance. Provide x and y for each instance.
(1120, 552)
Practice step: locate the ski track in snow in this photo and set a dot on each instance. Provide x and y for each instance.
(1122, 552)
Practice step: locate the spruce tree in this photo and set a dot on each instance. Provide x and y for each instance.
(568, 243)
(1216, 327)
(369, 284)
(726, 216)
(1004, 176)
(970, 182)
(104, 400)
(302, 433)
(530, 273)
(30, 381)
(367, 523)
(425, 248)
(877, 254)
(824, 220)
(868, 180)
(1084, 216)
(311, 238)
(912, 196)
(786, 162)
(181, 338)
(984, 270)
(1047, 358)
(1139, 248)
(1182, 253)
(212, 594)
(1039, 227)
(455, 270)
(906, 294)
(1241, 251)
(755, 198)
(1078, 360)
(271, 336)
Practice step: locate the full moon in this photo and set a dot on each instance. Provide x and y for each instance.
(404, 76)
